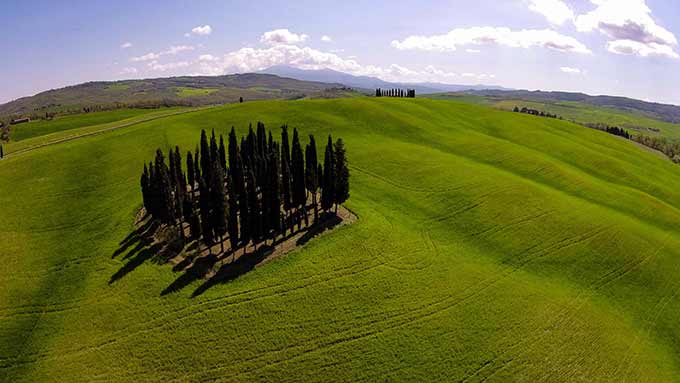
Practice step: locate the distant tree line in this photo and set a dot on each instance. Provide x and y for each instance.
(662, 144)
(615, 130)
(251, 192)
(408, 93)
(535, 112)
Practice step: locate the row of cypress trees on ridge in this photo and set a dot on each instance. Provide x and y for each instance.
(252, 191)
(408, 93)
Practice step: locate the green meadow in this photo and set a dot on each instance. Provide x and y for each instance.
(635, 121)
(42, 127)
(490, 246)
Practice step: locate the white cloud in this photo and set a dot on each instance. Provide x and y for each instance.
(630, 47)
(326, 39)
(146, 57)
(155, 66)
(491, 35)
(630, 28)
(201, 30)
(175, 49)
(126, 45)
(570, 70)
(473, 50)
(128, 70)
(207, 58)
(282, 36)
(556, 11)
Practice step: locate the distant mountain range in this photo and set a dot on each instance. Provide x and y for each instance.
(369, 83)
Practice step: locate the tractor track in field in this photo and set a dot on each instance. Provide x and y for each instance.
(418, 314)
(100, 131)
(570, 309)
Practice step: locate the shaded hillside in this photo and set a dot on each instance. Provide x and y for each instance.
(200, 90)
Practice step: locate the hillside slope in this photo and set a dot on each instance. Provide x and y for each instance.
(198, 90)
(490, 246)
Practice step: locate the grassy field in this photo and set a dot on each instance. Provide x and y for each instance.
(490, 246)
(42, 127)
(579, 112)
(194, 92)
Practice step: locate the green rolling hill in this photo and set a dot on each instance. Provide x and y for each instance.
(637, 116)
(490, 246)
(185, 91)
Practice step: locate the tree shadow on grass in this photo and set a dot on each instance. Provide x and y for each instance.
(139, 236)
(136, 260)
(327, 222)
(200, 268)
(233, 270)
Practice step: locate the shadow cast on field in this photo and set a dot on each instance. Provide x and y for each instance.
(233, 270)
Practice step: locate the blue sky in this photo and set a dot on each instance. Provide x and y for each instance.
(618, 47)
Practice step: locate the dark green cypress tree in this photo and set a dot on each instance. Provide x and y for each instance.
(197, 167)
(218, 203)
(166, 211)
(232, 224)
(244, 215)
(2, 152)
(311, 167)
(233, 148)
(144, 182)
(286, 192)
(298, 172)
(206, 161)
(341, 174)
(214, 151)
(205, 212)
(223, 155)
(171, 170)
(154, 193)
(328, 190)
(195, 225)
(191, 174)
(274, 210)
(253, 208)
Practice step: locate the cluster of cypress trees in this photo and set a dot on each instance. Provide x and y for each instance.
(256, 192)
(408, 93)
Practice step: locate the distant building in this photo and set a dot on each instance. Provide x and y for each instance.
(20, 121)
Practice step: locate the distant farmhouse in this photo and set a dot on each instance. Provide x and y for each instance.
(20, 121)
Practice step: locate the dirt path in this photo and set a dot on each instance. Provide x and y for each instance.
(101, 131)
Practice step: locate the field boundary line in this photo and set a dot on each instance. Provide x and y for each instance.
(101, 131)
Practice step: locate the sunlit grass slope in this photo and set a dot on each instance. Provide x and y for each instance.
(491, 246)
(635, 121)
(40, 128)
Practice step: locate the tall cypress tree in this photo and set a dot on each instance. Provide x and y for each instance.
(204, 204)
(223, 155)
(218, 195)
(206, 161)
(171, 170)
(214, 151)
(232, 224)
(311, 165)
(253, 208)
(298, 170)
(341, 174)
(166, 204)
(244, 215)
(144, 182)
(191, 173)
(328, 191)
(197, 167)
(274, 181)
